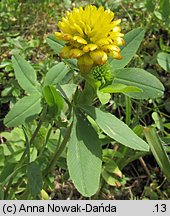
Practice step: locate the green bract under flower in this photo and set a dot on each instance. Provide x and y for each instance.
(91, 36)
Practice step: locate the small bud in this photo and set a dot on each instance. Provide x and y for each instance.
(102, 73)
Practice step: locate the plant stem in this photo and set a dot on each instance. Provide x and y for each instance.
(59, 151)
(21, 15)
(39, 125)
(145, 167)
(46, 139)
(27, 145)
(128, 110)
(128, 120)
(130, 17)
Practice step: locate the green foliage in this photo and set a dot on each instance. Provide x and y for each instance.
(24, 108)
(120, 88)
(104, 97)
(53, 99)
(111, 172)
(35, 182)
(56, 74)
(158, 151)
(56, 45)
(164, 8)
(151, 87)
(113, 127)
(6, 172)
(164, 61)
(25, 74)
(84, 156)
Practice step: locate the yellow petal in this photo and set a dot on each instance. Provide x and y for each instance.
(75, 53)
(116, 22)
(79, 40)
(115, 55)
(110, 48)
(65, 52)
(116, 29)
(119, 41)
(116, 34)
(62, 36)
(101, 9)
(67, 14)
(58, 35)
(80, 31)
(85, 63)
(87, 29)
(89, 47)
(64, 27)
(67, 37)
(103, 41)
(99, 57)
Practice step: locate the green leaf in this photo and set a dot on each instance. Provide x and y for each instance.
(103, 97)
(2, 156)
(1, 193)
(24, 108)
(116, 129)
(120, 88)
(164, 7)
(167, 125)
(164, 61)
(53, 98)
(56, 74)
(25, 74)
(133, 39)
(44, 195)
(34, 178)
(150, 85)
(6, 172)
(16, 156)
(56, 45)
(110, 179)
(111, 167)
(110, 154)
(158, 121)
(158, 15)
(150, 5)
(69, 89)
(158, 150)
(84, 156)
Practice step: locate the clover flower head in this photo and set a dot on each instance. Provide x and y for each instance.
(91, 35)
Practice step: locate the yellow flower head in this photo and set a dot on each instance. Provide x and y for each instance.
(91, 36)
